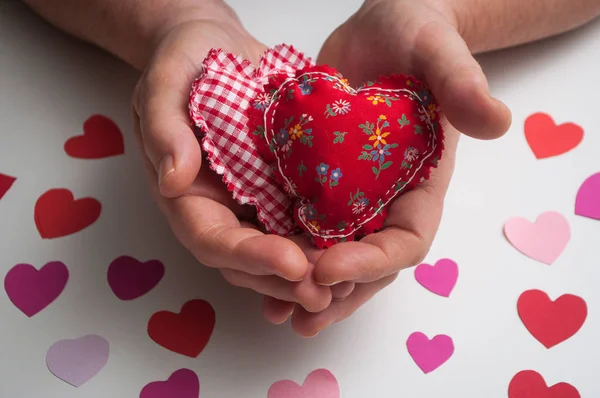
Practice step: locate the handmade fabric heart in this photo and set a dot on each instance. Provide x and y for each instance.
(344, 154)
(219, 105)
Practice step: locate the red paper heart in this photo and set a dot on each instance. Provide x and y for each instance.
(186, 333)
(551, 322)
(101, 138)
(345, 154)
(5, 183)
(547, 139)
(530, 384)
(58, 214)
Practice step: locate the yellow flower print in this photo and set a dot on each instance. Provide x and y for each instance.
(408, 82)
(382, 117)
(431, 109)
(379, 138)
(296, 132)
(315, 225)
(344, 82)
(376, 99)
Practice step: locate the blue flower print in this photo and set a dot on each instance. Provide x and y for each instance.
(283, 137)
(336, 174)
(381, 153)
(322, 169)
(305, 88)
(310, 213)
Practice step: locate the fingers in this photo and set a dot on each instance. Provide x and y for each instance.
(342, 290)
(214, 235)
(277, 311)
(309, 295)
(168, 139)
(310, 324)
(458, 82)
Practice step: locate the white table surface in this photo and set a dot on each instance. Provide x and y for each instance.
(50, 83)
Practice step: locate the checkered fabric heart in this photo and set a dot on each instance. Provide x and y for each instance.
(219, 104)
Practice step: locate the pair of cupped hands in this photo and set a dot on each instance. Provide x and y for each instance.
(314, 287)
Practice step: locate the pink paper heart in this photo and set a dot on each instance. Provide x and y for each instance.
(183, 383)
(129, 278)
(429, 354)
(77, 361)
(543, 240)
(31, 290)
(321, 383)
(439, 278)
(588, 198)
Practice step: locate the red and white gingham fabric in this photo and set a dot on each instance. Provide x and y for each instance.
(219, 103)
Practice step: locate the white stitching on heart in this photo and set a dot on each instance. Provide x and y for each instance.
(333, 233)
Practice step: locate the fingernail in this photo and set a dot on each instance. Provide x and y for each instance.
(165, 168)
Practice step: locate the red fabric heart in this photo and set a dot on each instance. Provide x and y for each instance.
(101, 138)
(530, 384)
(345, 154)
(547, 139)
(58, 214)
(219, 105)
(551, 322)
(186, 333)
(5, 183)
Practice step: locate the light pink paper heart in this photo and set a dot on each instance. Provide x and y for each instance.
(588, 198)
(439, 278)
(129, 278)
(429, 354)
(77, 361)
(321, 383)
(31, 290)
(544, 240)
(183, 383)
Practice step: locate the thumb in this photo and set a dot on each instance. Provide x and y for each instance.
(459, 84)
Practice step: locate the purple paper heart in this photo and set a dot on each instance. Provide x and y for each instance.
(31, 290)
(439, 278)
(587, 203)
(77, 361)
(129, 278)
(183, 383)
(429, 354)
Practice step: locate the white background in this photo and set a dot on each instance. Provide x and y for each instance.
(49, 84)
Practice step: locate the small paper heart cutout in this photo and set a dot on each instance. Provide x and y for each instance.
(551, 322)
(439, 278)
(5, 183)
(530, 384)
(321, 383)
(546, 139)
(544, 240)
(183, 383)
(429, 354)
(101, 138)
(588, 198)
(129, 278)
(31, 290)
(58, 214)
(77, 361)
(186, 333)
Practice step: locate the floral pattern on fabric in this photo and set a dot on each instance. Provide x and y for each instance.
(366, 147)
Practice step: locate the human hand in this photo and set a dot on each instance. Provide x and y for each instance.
(419, 38)
(204, 217)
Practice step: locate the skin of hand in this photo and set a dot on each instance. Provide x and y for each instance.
(419, 38)
(200, 210)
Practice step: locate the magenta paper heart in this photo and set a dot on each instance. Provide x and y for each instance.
(543, 240)
(321, 383)
(439, 278)
(77, 361)
(429, 354)
(588, 198)
(129, 278)
(31, 290)
(183, 383)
